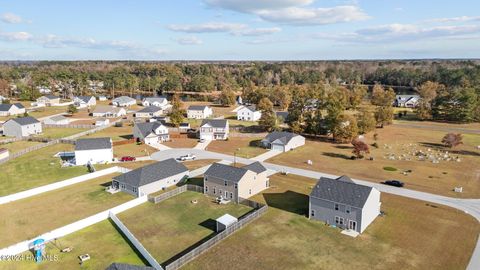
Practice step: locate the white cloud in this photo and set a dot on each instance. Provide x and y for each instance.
(211, 27)
(190, 40)
(249, 6)
(258, 31)
(454, 19)
(10, 18)
(53, 41)
(15, 36)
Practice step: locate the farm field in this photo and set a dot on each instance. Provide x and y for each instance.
(396, 141)
(30, 217)
(284, 238)
(60, 132)
(18, 146)
(168, 228)
(241, 145)
(102, 241)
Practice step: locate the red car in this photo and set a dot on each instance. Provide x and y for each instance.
(127, 158)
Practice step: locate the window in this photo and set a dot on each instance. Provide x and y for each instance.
(206, 189)
(336, 206)
(134, 189)
(339, 220)
(249, 191)
(225, 183)
(267, 184)
(231, 195)
(236, 185)
(214, 191)
(312, 213)
(347, 209)
(205, 178)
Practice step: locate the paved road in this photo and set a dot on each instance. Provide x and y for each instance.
(469, 206)
(438, 128)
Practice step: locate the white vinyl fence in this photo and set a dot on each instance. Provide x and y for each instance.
(61, 184)
(150, 259)
(71, 228)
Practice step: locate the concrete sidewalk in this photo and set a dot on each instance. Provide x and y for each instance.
(202, 145)
(266, 155)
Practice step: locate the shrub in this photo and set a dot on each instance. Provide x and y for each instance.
(390, 169)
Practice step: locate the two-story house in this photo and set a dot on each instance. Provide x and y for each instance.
(343, 203)
(214, 129)
(248, 113)
(93, 151)
(22, 127)
(155, 101)
(48, 100)
(151, 132)
(199, 112)
(149, 112)
(234, 183)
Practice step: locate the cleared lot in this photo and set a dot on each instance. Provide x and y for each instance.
(241, 146)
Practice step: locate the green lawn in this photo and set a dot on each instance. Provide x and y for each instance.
(56, 133)
(412, 235)
(30, 217)
(170, 227)
(116, 133)
(101, 241)
(18, 146)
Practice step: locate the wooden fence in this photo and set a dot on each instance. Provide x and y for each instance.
(69, 126)
(123, 142)
(27, 150)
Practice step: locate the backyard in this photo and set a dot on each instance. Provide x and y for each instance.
(102, 241)
(133, 149)
(116, 133)
(60, 132)
(181, 143)
(284, 238)
(242, 146)
(18, 146)
(397, 151)
(168, 228)
(38, 214)
(47, 111)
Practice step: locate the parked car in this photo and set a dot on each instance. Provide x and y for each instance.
(127, 158)
(187, 157)
(394, 183)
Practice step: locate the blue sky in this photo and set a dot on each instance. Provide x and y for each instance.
(238, 29)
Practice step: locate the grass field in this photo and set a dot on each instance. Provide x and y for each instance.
(240, 145)
(30, 217)
(426, 176)
(133, 149)
(101, 241)
(195, 164)
(168, 228)
(181, 143)
(56, 133)
(47, 111)
(412, 235)
(18, 146)
(116, 133)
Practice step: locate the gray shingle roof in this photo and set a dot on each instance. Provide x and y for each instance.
(153, 99)
(197, 107)
(341, 191)
(251, 108)
(23, 121)
(226, 172)
(147, 127)
(123, 99)
(58, 118)
(256, 167)
(6, 107)
(152, 173)
(85, 99)
(51, 97)
(216, 123)
(150, 109)
(283, 136)
(123, 266)
(106, 109)
(93, 144)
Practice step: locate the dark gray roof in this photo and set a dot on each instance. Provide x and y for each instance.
(152, 173)
(150, 109)
(226, 172)
(123, 99)
(153, 99)
(256, 167)
(283, 115)
(197, 107)
(147, 127)
(86, 99)
(123, 266)
(282, 136)
(6, 107)
(341, 191)
(23, 121)
(216, 123)
(93, 144)
(251, 108)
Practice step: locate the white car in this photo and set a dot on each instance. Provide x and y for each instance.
(187, 157)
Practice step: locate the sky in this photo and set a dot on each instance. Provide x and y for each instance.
(238, 29)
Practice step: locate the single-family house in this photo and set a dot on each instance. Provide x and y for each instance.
(123, 101)
(151, 178)
(406, 101)
(57, 120)
(233, 183)
(199, 112)
(102, 98)
(4, 153)
(102, 122)
(22, 127)
(343, 203)
(214, 129)
(93, 151)
(149, 112)
(48, 100)
(84, 101)
(283, 141)
(248, 113)
(124, 266)
(160, 102)
(151, 132)
(11, 109)
(108, 111)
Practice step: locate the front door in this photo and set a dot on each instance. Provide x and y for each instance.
(352, 225)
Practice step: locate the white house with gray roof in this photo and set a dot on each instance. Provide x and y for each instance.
(248, 113)
(151, 132)
(234, 183)
(93, 151)
(11, 109)
(84, 101)
(108, 112)
(199, 112)
(123, 101)
(48, 100)
(343, 203)
(214, 129)
(57, 120)
(151, 178)
(406, 101)
(160, 102)
(22, 127)
(283, 141)
(149, 112)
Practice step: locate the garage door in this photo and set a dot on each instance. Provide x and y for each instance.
(278, 147)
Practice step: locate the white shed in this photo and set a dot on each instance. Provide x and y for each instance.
(225, 221)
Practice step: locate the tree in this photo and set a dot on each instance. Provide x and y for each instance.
(357, 94)
(384, 115)
(384, 102)
(366, 122)
(427, 92)
(177, 113)
(265, 105)
(227, 97)
(345, 129)
(452, 140)
(269, 121)
(360, 148)
(72, 109)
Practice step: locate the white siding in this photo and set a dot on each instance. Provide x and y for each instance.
(371, 209)
(94, 156)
